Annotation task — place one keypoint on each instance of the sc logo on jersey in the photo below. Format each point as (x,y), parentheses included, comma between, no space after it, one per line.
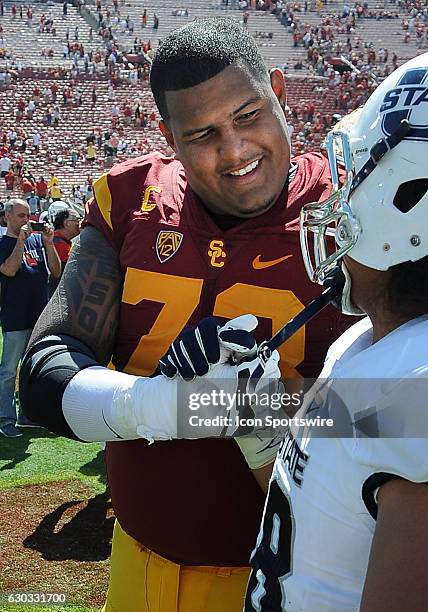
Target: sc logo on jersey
(407,101)
(216,253)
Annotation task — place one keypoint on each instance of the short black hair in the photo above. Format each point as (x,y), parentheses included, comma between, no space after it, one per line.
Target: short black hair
(60,217)
(406,291)
(199,51)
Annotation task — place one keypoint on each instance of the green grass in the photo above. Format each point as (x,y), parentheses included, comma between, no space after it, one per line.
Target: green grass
(39,457)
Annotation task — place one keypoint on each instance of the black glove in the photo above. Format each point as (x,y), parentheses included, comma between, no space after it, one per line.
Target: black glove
(209,343)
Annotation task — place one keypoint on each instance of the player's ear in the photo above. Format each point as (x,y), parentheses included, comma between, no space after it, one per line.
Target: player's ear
(167,134)
(277,81)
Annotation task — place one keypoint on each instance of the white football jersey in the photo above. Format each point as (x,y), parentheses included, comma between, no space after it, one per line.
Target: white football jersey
(327,480)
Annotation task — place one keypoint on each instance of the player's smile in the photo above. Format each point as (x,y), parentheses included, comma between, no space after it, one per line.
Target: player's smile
(246,174)
(234,147)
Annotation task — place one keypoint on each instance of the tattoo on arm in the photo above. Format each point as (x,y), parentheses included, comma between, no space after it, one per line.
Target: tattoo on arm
(87,300)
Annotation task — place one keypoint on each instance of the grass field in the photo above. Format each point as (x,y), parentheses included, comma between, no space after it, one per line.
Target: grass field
(55,521)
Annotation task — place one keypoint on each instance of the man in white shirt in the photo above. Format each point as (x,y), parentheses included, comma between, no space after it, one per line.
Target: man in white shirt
(4,165)
(12,136)
(36,140)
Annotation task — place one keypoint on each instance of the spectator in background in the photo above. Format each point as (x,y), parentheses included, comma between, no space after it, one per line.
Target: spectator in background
(18,166)
(114,141)
(53,180)
(26,260)
(10,180)
(78,196)
(41,188)
(36,94)
(55,192)
(49,215)
(66,227)
(91,152)
(153,121)
(90,138)
(5,165)
(109,155)
(3,222)
(12,137)
(74,154)
(34,203)
(36,141)
(56,115)
(30,108)
(27,183)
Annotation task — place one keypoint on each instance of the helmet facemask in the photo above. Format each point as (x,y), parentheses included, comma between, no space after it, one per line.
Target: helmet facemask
(331,218)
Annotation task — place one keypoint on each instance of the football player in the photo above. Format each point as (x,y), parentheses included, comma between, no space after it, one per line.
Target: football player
(359,532)
(167,241)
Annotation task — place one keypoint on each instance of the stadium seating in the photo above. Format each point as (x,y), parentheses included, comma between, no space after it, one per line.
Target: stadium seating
(37,58)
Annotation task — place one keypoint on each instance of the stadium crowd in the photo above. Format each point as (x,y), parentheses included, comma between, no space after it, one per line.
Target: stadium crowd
(90,66)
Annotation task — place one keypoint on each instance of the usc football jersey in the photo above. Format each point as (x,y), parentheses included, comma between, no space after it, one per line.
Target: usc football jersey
(329,485)
(195,501)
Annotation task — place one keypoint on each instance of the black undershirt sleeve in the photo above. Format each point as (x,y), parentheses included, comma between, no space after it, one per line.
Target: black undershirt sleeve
(47,368)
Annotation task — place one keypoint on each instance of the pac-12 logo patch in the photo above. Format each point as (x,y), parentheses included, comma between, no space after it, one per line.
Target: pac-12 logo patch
(407,101)
(167,244)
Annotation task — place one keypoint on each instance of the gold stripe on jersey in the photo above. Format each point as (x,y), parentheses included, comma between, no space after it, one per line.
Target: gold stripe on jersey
(103,197)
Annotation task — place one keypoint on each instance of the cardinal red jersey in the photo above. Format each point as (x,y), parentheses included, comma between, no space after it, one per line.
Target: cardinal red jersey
(195,501)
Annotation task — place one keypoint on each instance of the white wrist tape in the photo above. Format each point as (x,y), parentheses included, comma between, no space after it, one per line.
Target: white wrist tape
(102,405)
(258,452)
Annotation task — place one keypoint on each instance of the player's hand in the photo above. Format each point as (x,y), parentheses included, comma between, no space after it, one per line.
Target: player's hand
(207,344)
(256,382)
(48,234)
(251,384)
(255,377)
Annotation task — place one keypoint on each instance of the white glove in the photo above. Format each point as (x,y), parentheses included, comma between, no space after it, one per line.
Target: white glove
(259,445)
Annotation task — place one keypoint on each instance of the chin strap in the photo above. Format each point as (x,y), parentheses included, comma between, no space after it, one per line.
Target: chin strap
(345,303)
(333,286)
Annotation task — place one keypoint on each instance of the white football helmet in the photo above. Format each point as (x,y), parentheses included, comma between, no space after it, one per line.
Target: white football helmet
(380,213)
(55,208)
